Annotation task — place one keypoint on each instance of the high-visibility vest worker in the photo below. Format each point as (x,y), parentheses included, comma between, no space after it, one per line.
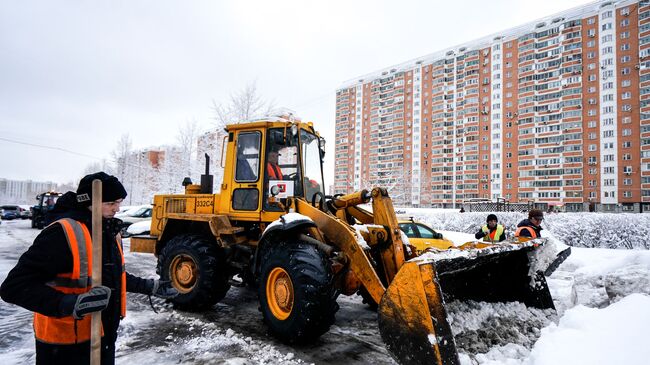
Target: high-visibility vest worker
(493,236)
(491,231)
(68,330)
(530,228)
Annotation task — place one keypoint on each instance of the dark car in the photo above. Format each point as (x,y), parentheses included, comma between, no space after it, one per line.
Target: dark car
(10,212)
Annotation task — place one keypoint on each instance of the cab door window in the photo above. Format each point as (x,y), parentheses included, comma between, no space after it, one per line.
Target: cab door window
(246,196)
(248,157)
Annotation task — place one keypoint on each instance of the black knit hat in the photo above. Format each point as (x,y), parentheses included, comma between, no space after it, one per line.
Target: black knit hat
(491,217)
(112,188)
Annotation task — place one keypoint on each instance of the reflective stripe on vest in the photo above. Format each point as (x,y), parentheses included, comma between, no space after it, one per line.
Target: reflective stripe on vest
(273,171)
(494,235)
(533,233)
(67,330)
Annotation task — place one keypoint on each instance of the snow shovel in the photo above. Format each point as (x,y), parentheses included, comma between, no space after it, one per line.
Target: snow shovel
(96,317)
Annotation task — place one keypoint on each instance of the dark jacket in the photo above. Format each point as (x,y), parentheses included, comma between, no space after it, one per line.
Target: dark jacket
(50,255)
(528,223)
(480,234)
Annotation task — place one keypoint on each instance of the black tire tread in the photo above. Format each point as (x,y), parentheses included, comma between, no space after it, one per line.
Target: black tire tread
(315,296)
(212,284)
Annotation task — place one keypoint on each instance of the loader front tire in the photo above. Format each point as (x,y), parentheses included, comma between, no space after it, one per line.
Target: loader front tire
(297,296)
(196,268)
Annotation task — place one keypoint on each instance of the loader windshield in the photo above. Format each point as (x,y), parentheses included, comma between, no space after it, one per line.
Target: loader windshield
(312,164)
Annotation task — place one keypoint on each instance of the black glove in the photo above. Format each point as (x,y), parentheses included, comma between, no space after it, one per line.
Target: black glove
(164,289)
(93,301)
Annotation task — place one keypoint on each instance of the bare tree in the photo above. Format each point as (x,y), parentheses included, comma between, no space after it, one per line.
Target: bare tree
(243,105)
(121,156)
(187,141)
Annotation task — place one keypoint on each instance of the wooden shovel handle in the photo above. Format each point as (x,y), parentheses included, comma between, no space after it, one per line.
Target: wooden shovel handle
(96,317)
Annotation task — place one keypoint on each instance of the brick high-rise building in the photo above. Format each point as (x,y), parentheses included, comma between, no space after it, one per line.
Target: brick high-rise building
(556,111)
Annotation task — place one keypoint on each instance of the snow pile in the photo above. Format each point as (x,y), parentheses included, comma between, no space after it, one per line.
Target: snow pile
(593,336)
(599,277)
(605,230)
(192,341)
(479,326)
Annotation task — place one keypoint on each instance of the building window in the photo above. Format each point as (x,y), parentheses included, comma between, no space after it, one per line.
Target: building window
(625,71)
(626,83)
(625,47)
(625,59)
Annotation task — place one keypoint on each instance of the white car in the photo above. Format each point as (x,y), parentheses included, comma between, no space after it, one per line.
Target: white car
(134,215)
(142,227)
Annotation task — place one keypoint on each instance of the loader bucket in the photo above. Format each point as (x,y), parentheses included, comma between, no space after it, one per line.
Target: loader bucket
(501,276)
(412,318)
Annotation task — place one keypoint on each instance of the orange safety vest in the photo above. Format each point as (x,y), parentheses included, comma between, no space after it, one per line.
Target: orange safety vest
(67,330)
(273,171)
(533,233)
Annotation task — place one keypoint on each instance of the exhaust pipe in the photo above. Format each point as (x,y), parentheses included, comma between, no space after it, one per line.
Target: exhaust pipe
(207,179)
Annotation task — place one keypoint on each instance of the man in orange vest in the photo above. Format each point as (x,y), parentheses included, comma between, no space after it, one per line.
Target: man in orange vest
(492,231)
(531,227)
(273,170)
(53,278)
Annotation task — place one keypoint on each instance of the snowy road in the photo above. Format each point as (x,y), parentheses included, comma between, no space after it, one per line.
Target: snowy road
(233,333)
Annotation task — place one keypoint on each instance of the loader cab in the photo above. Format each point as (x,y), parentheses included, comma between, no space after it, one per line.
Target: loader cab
(264,155)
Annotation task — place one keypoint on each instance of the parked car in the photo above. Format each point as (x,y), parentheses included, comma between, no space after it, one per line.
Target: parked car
(142,227)
(134,215)
(422,236)
(25,212)
(10,212)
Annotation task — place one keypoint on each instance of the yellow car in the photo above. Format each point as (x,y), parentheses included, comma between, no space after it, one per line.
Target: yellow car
(423,237)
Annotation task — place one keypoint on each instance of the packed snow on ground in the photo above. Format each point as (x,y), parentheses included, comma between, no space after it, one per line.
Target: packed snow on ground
(602,298)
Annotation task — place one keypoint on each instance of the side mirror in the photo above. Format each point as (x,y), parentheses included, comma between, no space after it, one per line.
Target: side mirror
(275,190)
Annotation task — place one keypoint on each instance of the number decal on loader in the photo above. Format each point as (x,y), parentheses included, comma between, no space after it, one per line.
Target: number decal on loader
(204,203)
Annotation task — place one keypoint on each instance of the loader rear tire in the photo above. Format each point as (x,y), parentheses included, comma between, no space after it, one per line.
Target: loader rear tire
(197,269)
(296,292)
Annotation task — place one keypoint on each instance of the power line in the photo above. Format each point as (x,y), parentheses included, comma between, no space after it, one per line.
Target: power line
(50,148)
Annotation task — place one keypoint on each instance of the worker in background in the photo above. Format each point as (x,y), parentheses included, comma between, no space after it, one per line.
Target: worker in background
(53,277)
(273,170)
(492,231)
(531,227)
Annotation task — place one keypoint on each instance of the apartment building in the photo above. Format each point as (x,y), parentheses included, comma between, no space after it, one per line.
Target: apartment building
(25,191)
(556,111)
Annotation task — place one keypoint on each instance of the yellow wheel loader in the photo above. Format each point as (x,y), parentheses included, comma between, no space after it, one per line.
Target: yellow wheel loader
(271,226)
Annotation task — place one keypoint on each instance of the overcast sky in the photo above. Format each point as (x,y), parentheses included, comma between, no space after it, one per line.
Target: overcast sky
(76,75)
